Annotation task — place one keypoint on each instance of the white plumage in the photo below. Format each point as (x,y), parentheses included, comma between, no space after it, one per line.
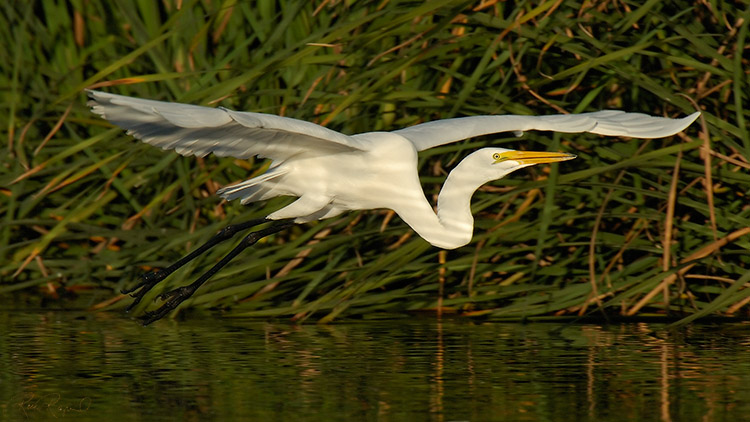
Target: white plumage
(331,172)
(606,122)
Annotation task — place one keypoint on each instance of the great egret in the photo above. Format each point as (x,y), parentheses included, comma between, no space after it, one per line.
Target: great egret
(331,172)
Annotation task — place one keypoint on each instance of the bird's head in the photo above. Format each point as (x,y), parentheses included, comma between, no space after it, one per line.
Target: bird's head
(495,163)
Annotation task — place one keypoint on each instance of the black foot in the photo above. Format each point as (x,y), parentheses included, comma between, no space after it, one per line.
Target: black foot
(175,297)
(147,282)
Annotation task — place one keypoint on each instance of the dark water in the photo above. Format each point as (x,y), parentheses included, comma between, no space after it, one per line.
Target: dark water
(77,366)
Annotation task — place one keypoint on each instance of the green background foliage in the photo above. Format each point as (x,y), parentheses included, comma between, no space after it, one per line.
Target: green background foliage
(632,227)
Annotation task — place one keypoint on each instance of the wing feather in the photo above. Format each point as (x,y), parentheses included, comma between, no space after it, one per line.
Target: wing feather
(606,122)
(196,130)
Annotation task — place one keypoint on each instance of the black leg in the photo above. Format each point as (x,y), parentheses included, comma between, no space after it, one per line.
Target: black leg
(149,280)
(175,297)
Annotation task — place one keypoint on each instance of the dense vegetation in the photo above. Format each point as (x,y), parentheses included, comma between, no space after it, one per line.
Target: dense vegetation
(630,228)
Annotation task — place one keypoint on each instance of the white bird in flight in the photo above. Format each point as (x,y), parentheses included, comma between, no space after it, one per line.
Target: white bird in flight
(331,173)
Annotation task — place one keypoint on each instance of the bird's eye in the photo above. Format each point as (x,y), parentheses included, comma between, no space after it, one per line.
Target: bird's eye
(495,156)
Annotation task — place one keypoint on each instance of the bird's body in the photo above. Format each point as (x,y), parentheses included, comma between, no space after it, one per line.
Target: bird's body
(332,184)
(331,173)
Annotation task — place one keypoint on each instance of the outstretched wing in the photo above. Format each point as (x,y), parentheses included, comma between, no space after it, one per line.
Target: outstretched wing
(606,122)
(195,130)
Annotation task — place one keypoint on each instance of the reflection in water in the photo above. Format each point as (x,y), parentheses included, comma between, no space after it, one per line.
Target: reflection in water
(90,367)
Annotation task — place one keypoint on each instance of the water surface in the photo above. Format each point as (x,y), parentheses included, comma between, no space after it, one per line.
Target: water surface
(83,366)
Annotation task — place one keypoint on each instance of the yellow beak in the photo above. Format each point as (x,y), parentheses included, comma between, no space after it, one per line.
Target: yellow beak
(533,157)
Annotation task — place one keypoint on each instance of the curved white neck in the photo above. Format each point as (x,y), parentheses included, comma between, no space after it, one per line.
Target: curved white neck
(453,225)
